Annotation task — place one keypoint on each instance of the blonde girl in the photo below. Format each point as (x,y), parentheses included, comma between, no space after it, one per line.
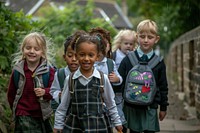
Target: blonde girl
(28,93)
(123,42)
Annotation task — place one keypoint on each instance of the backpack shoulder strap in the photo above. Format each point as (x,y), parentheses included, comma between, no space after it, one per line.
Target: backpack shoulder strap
(16,78)
(110,65)
(45,78)
(71,83)
(132,57)
(101,82)
(61,76)
(101,85)
(114,55)
(154,61)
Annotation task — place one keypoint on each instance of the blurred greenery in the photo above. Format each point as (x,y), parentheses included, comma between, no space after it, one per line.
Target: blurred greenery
(61,22)
(174,17)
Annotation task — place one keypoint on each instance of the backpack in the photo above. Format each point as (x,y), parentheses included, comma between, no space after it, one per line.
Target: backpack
(61,77)
(45,78)
(140,85)
(110,65)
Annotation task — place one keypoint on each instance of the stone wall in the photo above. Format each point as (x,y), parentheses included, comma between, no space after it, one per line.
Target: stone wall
(183,67)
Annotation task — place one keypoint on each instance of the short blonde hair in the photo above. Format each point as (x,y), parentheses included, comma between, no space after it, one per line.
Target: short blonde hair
(119,37)
(147,26)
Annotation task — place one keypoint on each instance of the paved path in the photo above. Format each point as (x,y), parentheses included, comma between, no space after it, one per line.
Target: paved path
(180,117)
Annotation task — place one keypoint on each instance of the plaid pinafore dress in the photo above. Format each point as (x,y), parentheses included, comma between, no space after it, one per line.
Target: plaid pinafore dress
(86,113)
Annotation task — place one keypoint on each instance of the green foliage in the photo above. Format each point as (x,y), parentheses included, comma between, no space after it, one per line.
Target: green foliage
(13,26)
(174,17)
(62,22)
(5,111)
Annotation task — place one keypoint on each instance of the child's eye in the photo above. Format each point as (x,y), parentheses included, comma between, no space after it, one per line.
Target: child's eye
(69,55)
(37,49)
(28,47)
(126,43)
(91,55)
(81,55)
(150,37)
(142,36)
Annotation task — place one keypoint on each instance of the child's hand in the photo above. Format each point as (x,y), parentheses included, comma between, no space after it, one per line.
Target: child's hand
(113,78)
(119,128)
(162,115)
(60,93)
(57,130)
(39,92)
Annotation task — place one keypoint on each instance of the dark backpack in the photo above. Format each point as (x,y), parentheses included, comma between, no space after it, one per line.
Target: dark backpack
(110,65)
(140,86)
(61,77)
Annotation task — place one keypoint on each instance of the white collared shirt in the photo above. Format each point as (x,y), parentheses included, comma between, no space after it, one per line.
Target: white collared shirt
(119,57)
(108,97)
(140,53)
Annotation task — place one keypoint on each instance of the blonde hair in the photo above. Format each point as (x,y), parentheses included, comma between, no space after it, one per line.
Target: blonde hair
(120,36)
(148,26)
(42,42)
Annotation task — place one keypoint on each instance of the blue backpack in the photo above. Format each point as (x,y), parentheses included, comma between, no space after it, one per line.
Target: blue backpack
(140,86)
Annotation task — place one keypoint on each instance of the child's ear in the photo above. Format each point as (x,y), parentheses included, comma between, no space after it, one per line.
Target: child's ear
(157,39)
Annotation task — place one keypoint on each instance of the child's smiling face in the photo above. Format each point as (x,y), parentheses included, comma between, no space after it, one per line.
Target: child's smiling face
(33,52)
(87,54)
(70,59)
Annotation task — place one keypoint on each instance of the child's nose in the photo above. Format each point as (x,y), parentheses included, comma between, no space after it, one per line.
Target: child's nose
(146,39)
(74,58)
(32,50)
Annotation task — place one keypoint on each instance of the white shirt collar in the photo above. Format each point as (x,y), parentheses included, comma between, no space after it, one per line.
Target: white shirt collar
(140,53)
(78,74)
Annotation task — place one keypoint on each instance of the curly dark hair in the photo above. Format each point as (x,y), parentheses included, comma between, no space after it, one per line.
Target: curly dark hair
(106,36)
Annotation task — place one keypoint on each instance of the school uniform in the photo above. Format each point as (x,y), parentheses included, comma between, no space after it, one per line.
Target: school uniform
(29,113)
(102,66)
(55,87)
(86,114)
(140,118)
(119,56)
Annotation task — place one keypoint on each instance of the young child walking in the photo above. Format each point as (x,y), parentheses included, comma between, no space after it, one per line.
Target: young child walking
(87,94)
(123,42)
(108,67)
(59,77)
(142,118)
(29,86)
